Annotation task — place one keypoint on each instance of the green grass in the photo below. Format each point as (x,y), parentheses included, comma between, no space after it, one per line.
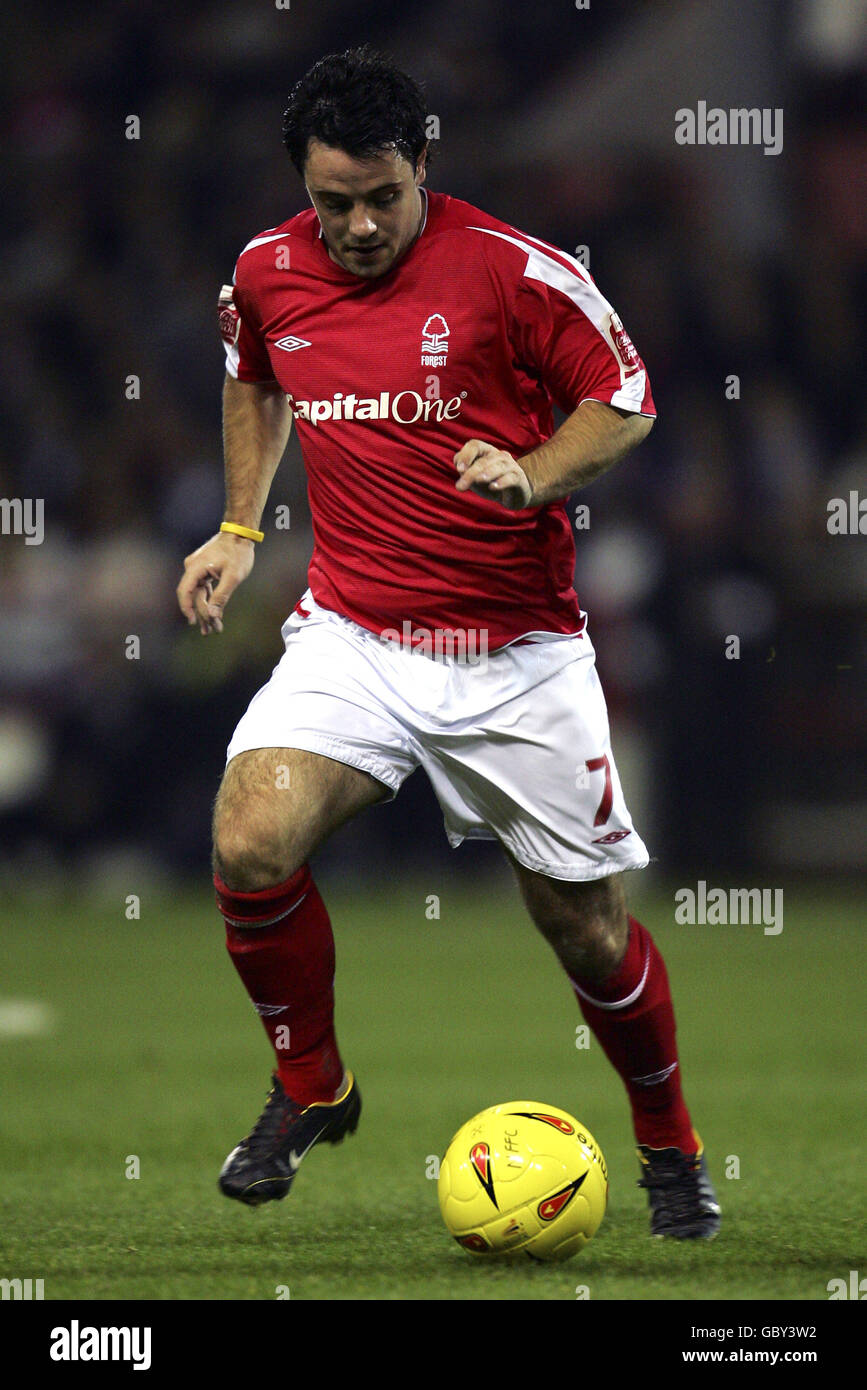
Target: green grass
(156,1053)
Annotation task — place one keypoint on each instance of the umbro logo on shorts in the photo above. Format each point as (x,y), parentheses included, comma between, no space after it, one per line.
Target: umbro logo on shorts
(291,344)
(612,837)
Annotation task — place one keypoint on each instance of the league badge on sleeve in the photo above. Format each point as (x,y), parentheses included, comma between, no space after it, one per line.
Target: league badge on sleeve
(623,343)
(230,319)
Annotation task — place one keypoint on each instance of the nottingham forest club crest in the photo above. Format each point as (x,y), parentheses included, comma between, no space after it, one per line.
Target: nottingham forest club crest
(434,342)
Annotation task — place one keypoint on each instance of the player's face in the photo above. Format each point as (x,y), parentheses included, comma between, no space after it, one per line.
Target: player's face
(370,209)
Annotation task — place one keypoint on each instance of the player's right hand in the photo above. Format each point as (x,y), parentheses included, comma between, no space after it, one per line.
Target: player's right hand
(211,575)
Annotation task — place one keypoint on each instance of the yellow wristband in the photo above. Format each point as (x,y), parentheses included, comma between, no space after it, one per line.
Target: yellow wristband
(246,531)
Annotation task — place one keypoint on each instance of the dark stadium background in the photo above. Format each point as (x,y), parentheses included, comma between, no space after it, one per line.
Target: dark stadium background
(721,261)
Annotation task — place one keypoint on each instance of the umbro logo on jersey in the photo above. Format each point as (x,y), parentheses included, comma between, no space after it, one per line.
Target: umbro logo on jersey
(434,342)
(291,344)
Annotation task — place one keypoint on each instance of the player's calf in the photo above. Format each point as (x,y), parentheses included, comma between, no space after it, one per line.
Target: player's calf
(621,984)
(274,807)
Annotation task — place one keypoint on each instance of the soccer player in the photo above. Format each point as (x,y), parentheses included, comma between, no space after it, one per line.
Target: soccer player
(420,345)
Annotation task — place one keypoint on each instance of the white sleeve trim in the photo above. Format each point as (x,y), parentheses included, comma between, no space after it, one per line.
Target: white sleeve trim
(628,399)
(261,241)
(622,402)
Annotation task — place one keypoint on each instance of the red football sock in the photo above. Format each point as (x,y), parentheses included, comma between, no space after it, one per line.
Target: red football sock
(632,1016)
(281,943)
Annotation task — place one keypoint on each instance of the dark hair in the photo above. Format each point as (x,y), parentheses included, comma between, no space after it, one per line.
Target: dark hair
(359,102)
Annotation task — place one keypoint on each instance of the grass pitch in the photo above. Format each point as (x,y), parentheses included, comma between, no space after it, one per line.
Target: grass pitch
(155,1055)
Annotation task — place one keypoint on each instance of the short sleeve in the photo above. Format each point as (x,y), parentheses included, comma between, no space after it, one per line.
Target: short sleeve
(568,335)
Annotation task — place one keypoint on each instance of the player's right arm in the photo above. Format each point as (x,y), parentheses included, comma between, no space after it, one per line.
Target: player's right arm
(257,420)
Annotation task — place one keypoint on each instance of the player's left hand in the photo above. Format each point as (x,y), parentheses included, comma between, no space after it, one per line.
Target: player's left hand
(492,473)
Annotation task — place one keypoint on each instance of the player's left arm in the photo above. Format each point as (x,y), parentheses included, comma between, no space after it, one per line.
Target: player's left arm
(590,441)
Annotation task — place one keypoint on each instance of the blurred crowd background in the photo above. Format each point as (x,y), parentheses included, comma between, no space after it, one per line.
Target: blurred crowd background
(723,262)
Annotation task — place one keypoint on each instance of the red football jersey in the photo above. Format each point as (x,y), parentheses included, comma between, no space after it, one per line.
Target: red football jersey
(473,333)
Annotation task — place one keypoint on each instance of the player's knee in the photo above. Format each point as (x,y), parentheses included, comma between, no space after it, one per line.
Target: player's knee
(593,950)
(602,923)
(585,922)
(250,851)
(248,868)
(602,947)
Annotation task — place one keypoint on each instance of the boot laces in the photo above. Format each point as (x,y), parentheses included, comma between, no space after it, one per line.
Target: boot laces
(273,1123)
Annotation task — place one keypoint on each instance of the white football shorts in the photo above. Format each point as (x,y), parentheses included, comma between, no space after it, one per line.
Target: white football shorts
(516,746)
